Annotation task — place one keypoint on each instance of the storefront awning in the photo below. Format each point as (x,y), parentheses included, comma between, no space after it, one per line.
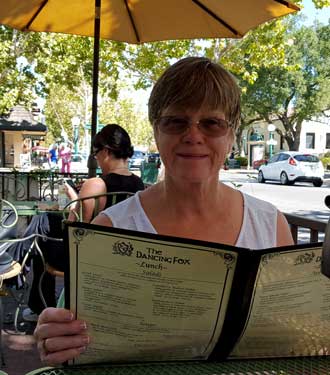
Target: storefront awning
(23,125)
(20,119)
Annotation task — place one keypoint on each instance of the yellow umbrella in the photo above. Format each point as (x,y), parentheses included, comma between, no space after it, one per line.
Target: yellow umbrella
(138,21)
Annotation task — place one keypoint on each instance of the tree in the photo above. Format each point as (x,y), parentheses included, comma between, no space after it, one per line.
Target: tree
(17,79)
(297,91)
(124,113)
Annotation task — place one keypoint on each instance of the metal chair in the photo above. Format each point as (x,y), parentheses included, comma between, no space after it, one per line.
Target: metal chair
(116,197)
(8,229)
(79,216)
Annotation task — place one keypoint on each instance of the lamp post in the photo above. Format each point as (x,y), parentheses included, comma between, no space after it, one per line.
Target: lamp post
(75,121)
(248,143)
(271,141)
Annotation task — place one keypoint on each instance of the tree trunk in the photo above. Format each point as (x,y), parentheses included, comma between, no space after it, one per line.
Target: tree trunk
(292,130)
(239,140)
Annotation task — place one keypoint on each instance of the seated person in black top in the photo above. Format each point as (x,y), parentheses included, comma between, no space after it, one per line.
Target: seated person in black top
(111,148)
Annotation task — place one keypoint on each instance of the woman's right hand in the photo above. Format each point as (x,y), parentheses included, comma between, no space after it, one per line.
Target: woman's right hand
(59,337)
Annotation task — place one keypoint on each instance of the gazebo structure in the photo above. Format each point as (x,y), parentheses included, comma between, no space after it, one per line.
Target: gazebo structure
(18,134)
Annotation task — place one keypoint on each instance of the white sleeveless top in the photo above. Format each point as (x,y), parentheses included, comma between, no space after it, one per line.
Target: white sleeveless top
(258,229)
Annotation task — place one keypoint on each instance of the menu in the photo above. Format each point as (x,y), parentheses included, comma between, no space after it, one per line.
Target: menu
(158,298)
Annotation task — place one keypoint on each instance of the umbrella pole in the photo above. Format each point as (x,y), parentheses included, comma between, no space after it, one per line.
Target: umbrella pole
(92,165)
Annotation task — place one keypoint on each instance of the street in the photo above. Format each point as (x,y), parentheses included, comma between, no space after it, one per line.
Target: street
(301,199)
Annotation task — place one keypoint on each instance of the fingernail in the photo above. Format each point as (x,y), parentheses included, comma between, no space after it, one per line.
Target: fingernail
(83,325)
(81,349)
(69,316)
(86,340)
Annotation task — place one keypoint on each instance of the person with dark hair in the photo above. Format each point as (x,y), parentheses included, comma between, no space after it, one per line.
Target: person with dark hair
(111,148)
(194,109)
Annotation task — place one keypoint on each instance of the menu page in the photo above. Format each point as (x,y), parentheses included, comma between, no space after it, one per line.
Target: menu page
(290,310)
(147,300)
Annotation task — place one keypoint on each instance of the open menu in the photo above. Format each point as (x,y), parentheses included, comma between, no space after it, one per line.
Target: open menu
(148,297)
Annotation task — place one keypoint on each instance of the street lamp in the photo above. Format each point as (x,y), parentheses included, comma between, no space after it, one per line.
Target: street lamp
(75,121)
(271,141)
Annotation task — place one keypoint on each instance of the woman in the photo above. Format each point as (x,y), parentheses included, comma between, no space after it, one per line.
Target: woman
(65,155)
(194,109)
(112,148)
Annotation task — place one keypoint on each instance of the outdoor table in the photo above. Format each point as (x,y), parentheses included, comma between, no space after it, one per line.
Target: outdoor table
(288,366)
(31,208)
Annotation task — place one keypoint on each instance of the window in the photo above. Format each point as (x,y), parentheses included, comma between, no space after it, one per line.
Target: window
(310,140)
(283,157)
(274,158)
(307,158)
(327,142)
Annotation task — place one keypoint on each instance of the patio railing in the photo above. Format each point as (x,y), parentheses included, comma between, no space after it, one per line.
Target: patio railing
(34,185)
(315,227)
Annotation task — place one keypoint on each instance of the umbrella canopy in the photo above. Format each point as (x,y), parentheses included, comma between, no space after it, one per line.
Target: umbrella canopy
(138,21)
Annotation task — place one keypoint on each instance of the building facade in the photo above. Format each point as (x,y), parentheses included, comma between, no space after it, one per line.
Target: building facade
(19,133)
(260,143)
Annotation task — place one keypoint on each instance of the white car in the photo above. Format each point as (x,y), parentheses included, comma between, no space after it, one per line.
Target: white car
(78,164)
(136,160)
(289,167)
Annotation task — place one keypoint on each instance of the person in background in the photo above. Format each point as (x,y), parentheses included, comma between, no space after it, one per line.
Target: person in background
(52,156)
(65,155)
(111,148)
(194,109)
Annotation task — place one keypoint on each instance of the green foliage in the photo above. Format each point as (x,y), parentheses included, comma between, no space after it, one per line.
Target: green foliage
(242,160)
(17,80)
(124,113)
(297,91)
(319,4)
(326,162)
(59,68)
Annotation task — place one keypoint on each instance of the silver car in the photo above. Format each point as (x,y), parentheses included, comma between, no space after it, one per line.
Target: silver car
(289,167)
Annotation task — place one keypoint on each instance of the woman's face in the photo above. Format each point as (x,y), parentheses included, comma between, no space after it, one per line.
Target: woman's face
(194,155)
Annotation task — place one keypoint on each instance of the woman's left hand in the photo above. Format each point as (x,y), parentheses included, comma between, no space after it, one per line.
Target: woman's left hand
(59,337)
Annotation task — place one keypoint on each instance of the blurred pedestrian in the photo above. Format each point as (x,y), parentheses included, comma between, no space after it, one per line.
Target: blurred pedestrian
(65,155)
(52,156)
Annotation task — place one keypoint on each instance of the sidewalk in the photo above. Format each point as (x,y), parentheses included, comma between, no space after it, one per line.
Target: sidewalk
(20,352)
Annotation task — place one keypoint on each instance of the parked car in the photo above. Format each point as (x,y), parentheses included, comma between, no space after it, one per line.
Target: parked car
(289,167)
(136,160)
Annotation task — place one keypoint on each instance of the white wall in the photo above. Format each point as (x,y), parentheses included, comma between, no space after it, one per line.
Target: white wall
(320,128)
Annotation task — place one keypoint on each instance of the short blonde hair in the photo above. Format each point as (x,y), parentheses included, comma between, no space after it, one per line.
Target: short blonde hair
(192,82)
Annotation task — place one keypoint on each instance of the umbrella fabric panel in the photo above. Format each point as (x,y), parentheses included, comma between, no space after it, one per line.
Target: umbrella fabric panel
(137,21)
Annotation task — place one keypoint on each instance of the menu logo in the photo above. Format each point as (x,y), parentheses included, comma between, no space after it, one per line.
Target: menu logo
(122,248)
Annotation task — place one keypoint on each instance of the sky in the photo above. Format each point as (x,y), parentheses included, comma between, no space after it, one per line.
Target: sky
(312,14)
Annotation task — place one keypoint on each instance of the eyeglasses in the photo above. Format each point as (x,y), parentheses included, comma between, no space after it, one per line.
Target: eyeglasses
(211,127)
(95,152)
